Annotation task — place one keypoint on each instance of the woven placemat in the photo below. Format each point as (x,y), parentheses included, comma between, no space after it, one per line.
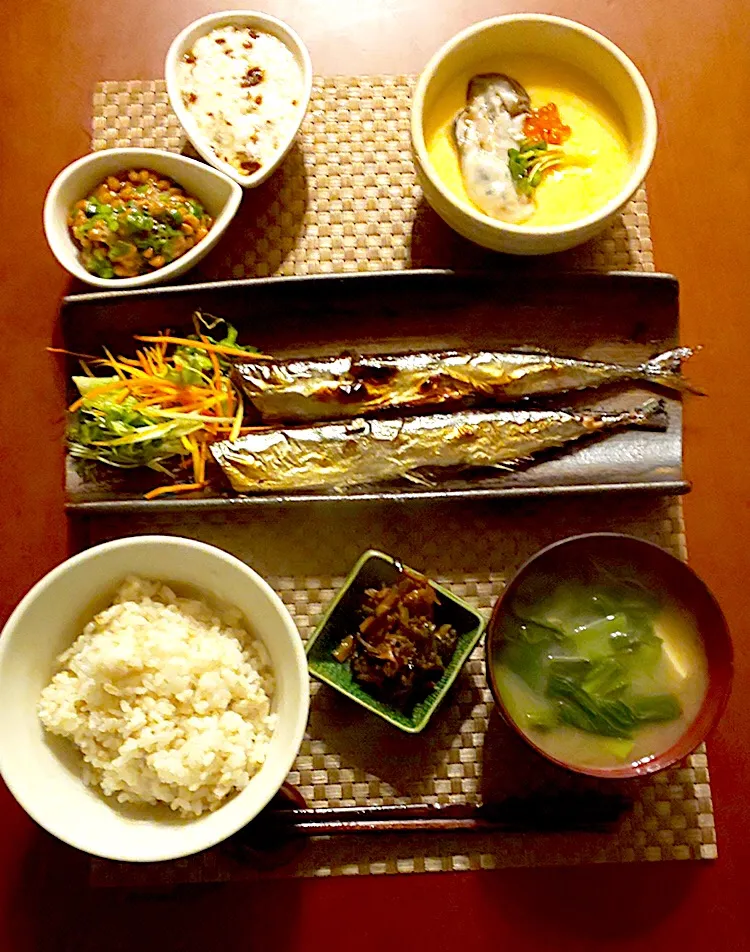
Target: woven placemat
(346,199)
(350,758)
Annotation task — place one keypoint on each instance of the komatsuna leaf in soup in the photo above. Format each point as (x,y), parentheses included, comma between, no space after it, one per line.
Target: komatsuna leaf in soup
(584,669)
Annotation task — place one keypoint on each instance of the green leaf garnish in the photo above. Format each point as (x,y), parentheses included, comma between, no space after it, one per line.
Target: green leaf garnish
(111,430)
(582,649)
(531,160)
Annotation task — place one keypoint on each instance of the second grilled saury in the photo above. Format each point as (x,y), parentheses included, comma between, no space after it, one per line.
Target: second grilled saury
(330,388)
(336,456)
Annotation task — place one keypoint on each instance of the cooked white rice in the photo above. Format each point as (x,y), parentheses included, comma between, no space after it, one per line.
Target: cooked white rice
(243,89)
(168,700)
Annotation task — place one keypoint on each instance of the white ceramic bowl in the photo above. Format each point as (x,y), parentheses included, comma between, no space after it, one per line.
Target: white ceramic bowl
(219,195)
(43,772)
(251,19)
(572,44)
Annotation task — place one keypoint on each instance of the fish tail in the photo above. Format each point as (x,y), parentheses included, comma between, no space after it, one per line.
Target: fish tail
(651,415)
(666,369)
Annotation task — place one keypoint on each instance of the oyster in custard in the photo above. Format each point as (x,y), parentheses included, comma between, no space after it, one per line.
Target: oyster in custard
(486,130)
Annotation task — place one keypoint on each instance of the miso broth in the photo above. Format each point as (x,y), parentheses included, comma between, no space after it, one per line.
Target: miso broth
(600,673)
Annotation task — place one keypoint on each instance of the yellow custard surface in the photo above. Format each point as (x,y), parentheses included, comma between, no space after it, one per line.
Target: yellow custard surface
(597,132)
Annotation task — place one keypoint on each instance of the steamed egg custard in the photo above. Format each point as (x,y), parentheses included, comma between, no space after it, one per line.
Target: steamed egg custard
(528,140)
(600,673)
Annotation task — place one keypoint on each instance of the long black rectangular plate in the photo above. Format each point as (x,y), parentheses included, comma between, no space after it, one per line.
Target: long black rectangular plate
(623,316)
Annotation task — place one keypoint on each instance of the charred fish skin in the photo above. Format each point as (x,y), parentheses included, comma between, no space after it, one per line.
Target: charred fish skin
(348,386)
(488,126)
(339,456)
(287,390)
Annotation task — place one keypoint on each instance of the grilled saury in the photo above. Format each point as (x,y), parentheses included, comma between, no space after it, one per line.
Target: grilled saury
(331,388)
(336,456)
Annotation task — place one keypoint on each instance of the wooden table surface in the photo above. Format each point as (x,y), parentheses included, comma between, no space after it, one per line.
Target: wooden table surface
(693,55)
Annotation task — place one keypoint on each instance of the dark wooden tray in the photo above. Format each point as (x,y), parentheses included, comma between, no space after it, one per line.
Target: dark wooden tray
(624,316)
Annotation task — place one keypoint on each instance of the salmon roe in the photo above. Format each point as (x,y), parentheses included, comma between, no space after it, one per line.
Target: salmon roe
(545,124)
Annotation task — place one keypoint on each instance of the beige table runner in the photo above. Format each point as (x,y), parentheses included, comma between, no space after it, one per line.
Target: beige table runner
(346,199)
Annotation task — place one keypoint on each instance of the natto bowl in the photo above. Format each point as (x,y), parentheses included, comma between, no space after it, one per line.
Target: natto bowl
(218,194)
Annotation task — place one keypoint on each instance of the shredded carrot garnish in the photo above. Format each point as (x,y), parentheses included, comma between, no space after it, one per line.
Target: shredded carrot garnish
(175,488)
(200,345)
(197,413)
(119,368)
(115,365)
(96,392)
(215,364)
(70,353)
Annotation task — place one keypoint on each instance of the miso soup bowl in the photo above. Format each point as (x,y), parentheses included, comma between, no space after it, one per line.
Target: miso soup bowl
(665,575)
(571,44)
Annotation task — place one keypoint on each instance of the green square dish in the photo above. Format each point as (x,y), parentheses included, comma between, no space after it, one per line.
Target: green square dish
(373,570)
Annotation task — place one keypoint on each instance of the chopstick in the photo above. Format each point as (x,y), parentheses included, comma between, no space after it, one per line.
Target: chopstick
(589,811)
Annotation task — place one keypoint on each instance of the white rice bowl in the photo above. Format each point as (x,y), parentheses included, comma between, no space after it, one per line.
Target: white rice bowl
(44,772)
(168,700)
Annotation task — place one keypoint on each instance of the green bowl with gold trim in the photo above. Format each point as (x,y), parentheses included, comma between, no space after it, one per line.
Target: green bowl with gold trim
(343,616)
